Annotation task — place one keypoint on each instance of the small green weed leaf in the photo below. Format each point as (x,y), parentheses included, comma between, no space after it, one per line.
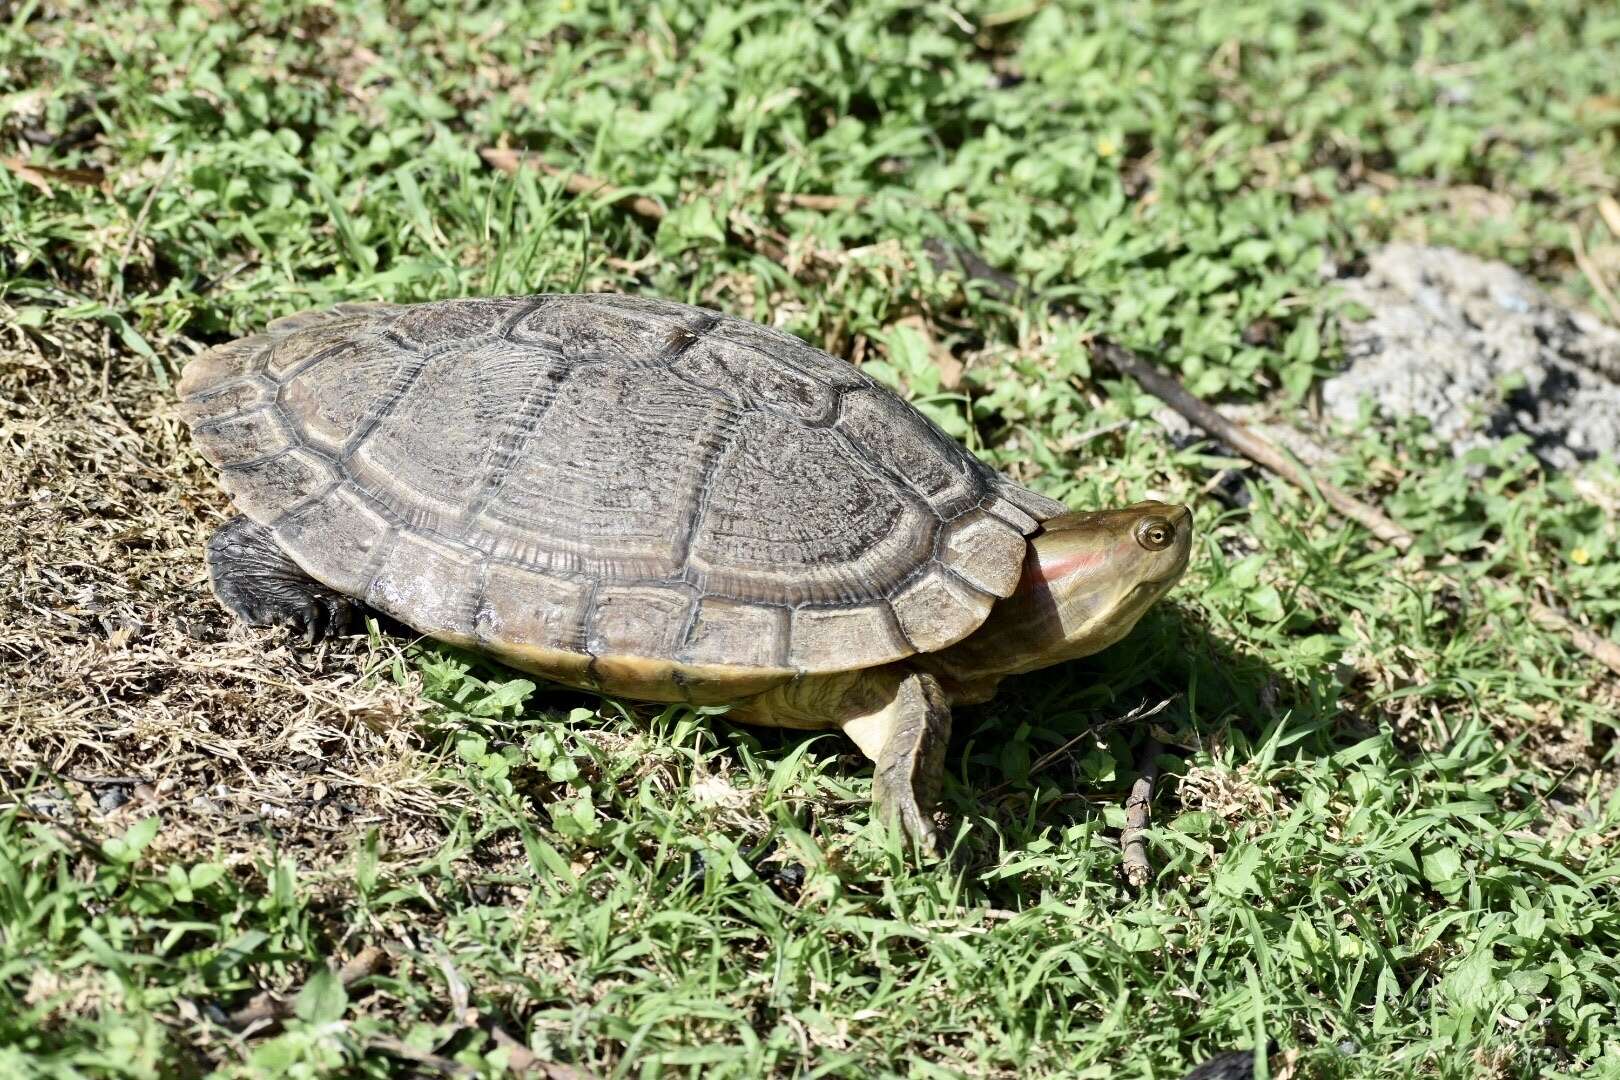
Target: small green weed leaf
(1265,603)
(1442,868)
(507,697)
(1471,983)
(202,875)
(1235,876)
(323,1000)
(1530,923)
(690,225)
(128,847)
(1529,983)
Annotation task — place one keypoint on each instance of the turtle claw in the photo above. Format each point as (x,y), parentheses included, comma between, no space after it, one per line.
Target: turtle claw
(260,585)
(319,617)
(902,809)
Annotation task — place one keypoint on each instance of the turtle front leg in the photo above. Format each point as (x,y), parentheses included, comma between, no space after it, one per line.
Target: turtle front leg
(256,581)
(905,737)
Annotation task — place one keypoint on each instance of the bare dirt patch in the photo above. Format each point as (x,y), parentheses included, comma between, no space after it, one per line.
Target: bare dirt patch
(124,689)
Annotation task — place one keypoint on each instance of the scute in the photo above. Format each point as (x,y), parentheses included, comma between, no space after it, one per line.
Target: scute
(617,492)
(265,489)
(933,608)
(430,585)
(340,391)
(601,485)
(794,515)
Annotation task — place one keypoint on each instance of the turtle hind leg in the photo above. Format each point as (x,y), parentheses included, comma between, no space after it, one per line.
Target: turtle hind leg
(906,739)
(256,581)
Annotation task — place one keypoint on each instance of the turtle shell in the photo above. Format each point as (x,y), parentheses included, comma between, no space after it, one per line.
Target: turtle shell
(611,490)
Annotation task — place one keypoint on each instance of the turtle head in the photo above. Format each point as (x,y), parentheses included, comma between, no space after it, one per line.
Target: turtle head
(1088,577)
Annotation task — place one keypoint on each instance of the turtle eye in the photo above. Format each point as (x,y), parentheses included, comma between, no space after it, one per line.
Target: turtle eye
(1155,534)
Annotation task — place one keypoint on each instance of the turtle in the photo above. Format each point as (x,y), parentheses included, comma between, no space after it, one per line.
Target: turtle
(658,502)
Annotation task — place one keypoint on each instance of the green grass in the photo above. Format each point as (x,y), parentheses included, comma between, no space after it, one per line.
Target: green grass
(1391,841)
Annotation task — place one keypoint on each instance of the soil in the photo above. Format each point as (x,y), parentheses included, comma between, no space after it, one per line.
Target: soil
(1479,350)
(124,689)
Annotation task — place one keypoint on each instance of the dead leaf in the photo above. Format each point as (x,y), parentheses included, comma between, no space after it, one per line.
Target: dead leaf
(40,175)
(1599,106)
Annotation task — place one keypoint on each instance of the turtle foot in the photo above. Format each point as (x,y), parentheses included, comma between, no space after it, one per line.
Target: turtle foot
(911,766)
(256,581)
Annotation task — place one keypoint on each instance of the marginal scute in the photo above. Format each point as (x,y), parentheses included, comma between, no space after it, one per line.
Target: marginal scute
(339,538)
(986,552)
(289,352)
(650,679)
(638,620)
(525,607)
(1033,503)
(269,487)
(1008,512)
(736,632)
(245,436)
(222,363)
(431,586)
(227,400)
(372,311)
(939,609)
(845,638)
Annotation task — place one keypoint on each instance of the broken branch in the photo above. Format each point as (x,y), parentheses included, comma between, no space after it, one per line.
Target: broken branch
(1261,451)
(1138,813)
(266,1008)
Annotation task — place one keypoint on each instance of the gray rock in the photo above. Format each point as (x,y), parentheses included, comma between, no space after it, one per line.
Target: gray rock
(1480,351)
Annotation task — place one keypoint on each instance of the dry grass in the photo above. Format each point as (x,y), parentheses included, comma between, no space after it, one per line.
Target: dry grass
(123,682)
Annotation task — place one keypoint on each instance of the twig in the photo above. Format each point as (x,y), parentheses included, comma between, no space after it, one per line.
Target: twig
(1138,811)
(399,1048)
(1261,451)
(140,221)
(812,201)
(511,162)
(1098,432)
(521,1059)
(39,176)
(1141,712)
(1246,442)
(518,1055)
(1609,211)
(1577,246)
(266,1008)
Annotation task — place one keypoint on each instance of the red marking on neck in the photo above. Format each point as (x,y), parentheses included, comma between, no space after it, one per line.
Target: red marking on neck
(1071,563)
